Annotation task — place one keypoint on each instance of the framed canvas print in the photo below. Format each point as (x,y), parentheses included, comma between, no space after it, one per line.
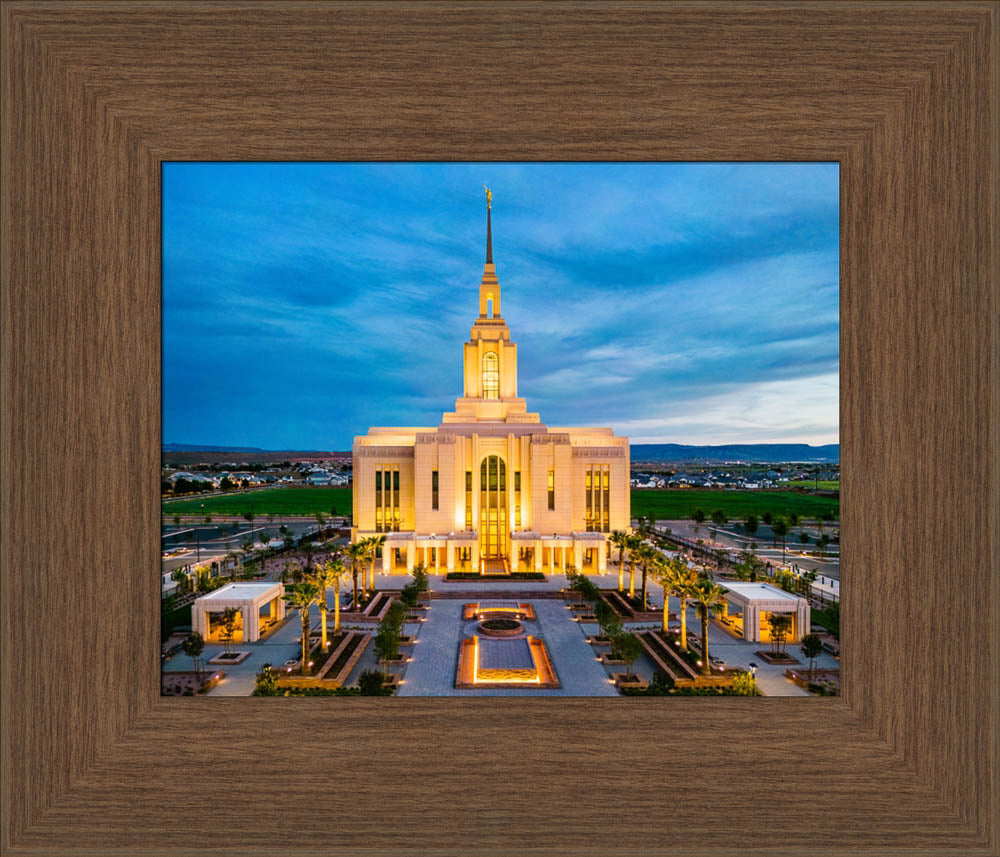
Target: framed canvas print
(484,551)
(343,346)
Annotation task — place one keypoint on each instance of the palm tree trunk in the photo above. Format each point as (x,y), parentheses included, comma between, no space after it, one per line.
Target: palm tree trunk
(305,640)
(322,615)
(354,588)
(631,578)
(684,622)
(621,572)
(645,571)
(336,609)
(666,609)
(706,667)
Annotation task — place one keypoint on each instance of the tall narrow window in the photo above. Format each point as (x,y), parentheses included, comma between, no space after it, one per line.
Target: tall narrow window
(606,476)
(552,490)
(468,500)
(491,376)
(517,499)
(434,489)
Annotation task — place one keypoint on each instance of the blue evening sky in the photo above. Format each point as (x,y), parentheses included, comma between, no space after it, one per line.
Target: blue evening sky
(677,303)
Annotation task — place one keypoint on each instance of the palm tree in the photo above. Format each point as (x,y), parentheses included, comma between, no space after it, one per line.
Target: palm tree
(324,576)
(646,554)
(356,552)
(708,598)
(632,543)
(618,540)
(336,566)
(663,573)
(303,596)
(685,579)
(375,546)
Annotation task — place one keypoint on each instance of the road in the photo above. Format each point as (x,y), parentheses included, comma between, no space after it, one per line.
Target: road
(732,537)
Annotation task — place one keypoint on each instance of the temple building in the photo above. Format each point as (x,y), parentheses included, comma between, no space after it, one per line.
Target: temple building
(491,489)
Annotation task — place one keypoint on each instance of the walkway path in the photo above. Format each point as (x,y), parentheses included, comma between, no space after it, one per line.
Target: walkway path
(435,655)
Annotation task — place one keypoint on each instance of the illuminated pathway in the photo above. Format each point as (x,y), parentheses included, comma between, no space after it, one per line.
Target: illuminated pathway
(435,655)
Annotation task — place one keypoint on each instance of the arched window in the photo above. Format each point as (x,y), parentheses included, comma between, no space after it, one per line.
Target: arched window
(491,376)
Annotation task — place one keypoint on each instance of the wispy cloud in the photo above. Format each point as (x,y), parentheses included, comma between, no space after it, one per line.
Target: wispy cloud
(675,302)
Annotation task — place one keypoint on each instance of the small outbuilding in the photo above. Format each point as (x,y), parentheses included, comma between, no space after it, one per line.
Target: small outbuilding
(251,599)
(749,606)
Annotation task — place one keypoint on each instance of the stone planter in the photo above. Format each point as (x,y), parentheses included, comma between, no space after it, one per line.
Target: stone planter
(635,683)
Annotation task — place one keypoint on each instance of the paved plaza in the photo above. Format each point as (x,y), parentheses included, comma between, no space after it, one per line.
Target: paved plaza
(433,657)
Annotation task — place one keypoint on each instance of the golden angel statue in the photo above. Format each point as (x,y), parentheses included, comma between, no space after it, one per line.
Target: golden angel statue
(489,197)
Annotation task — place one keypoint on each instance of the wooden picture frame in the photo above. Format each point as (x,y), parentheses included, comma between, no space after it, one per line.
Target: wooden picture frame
(96,95)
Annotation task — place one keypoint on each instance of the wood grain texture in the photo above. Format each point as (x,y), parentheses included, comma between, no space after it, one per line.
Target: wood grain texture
(95,96)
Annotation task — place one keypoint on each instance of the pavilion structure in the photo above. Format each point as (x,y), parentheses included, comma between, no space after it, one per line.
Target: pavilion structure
(249,599)
(491,489)
(756,602)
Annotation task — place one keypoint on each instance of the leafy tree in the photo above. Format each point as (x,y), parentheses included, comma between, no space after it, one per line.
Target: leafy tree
(250,515)
(208,519)
(812,647)
(228,631)
(370,683)
(804,538)
(608,620)
(387,639)
(780,530)
(409,595)
(779,625)
(698,515)
(767,517)
(751,524)
(822,541)
(302,596)
(420,579)
(177,520)
(629,648)
(193,646)
(793,519)
(719,517)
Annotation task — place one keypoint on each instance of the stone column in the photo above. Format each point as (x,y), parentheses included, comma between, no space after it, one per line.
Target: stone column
(552,559)
(602,557)
(475,556)
(515,556)
(450,556)
(251,622)
(537,551)
(578,555)
(411,553)
(437,559)
(386,559)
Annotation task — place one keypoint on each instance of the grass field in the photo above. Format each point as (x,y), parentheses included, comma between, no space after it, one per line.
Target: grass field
(267,501)
(652,502)
(822,484)
(660,503)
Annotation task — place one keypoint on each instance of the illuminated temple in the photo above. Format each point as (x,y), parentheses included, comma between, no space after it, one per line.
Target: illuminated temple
(491,489)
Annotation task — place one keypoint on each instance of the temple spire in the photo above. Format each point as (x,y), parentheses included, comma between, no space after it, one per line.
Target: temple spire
(489,228)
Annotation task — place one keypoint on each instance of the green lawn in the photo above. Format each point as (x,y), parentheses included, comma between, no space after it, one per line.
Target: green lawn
(652,502)
(267,501)
(660,503)
(822,484)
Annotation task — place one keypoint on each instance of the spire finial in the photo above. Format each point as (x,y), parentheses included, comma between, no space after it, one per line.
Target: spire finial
(489,226)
